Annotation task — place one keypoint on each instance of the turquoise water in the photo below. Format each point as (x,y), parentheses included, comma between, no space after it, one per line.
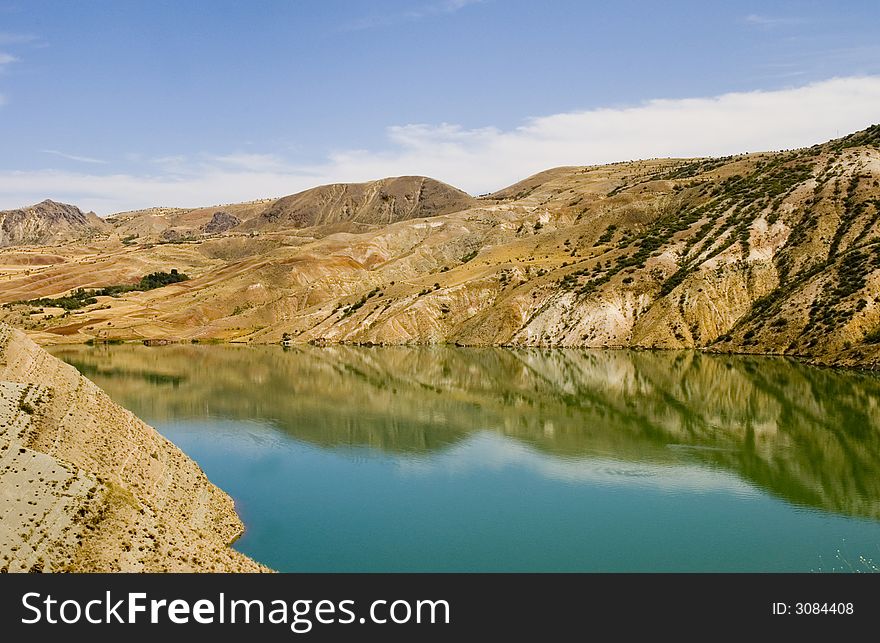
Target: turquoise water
(454,459)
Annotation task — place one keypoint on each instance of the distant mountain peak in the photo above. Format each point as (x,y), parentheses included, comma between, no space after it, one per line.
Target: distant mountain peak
(48,222)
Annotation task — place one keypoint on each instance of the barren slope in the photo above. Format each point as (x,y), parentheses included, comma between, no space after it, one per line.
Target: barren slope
(155,224)
(340,206)
(87,486)
(377,202)
(773,253)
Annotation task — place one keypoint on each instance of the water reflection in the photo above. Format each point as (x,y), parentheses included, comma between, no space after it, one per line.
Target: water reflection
(807,435)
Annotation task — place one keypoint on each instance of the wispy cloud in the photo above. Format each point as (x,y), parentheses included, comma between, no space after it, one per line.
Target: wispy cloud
(249,162)
(5,59)
(188,165)
(484,159)
(444,7)
(12,39)
(861,60)
(9,38)
(767,22)
(74,157)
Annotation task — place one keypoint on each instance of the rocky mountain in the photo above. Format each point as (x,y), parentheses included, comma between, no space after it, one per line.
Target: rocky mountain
(48,223)
(775,252)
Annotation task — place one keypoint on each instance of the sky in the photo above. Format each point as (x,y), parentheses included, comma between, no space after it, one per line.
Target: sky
(122,104)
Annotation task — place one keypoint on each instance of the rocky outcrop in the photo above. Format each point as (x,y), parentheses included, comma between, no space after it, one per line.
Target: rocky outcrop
(87,486)
(48,223)
(221,221)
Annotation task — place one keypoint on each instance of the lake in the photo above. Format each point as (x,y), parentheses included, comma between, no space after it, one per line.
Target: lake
(347,458)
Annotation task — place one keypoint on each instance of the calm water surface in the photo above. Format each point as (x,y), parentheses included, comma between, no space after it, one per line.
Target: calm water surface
(456,459)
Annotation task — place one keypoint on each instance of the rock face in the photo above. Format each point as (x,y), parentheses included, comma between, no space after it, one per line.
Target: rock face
(221,221)
(48,223)
(377,202)
(87,486)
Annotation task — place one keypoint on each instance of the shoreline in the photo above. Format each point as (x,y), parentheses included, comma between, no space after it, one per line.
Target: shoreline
(94,488)
(157,343)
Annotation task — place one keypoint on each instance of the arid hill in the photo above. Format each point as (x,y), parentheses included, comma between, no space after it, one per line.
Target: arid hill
(87,486)
(151,224)
(49,223)
(355,207)
(377,202)
(775,252)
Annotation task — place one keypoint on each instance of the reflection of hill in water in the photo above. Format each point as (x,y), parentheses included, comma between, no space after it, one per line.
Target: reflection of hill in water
(809,435)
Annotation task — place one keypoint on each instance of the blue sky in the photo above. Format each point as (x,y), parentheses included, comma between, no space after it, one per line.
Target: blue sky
(116,105)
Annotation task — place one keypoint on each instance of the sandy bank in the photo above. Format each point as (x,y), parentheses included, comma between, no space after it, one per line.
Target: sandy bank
(87,486)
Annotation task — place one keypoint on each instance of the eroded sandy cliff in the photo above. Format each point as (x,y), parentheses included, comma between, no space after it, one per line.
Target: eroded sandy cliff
(87,486)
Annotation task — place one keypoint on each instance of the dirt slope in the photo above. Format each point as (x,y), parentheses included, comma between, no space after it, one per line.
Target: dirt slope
(87,486)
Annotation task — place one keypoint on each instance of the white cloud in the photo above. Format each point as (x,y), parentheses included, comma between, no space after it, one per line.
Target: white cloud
(74,157)
(480,160)
(5,58)
(110,193)
(490,451)
(485,159)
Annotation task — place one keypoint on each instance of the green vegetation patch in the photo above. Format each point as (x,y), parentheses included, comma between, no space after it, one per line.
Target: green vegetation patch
(81,297)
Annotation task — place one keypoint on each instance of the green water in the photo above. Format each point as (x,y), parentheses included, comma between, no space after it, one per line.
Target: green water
(456,459)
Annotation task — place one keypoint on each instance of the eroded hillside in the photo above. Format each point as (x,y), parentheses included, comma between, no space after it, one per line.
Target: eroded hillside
(350,207)
(87,486)
(774,252)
